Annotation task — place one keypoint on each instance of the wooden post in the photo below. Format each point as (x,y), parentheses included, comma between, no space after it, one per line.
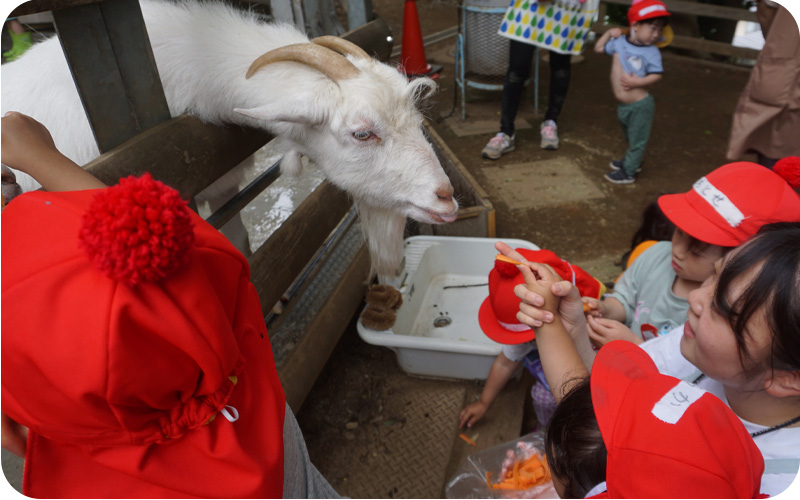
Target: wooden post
(113,67)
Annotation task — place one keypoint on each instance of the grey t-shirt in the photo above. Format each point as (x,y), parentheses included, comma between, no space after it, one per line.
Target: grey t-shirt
(645,290)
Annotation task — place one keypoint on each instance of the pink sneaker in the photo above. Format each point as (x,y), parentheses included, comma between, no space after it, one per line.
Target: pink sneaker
(497,146)
(549,132)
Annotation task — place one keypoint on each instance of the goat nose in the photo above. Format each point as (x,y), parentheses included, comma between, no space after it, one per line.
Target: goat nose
(445,194)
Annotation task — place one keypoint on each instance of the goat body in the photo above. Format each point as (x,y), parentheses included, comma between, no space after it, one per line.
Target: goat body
(363,131)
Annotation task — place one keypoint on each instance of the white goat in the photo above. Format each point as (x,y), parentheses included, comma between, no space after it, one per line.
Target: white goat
(355,117)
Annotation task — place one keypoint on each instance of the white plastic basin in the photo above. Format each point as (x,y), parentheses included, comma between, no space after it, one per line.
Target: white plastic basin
(437,332)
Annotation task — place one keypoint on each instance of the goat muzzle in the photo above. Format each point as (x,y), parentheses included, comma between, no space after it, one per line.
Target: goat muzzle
(326,61)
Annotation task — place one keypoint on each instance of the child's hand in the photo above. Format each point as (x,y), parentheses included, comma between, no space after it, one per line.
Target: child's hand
(539,279)
(595,306)
(615,32)
(630,81)
(471,414)
(604,330)
(23,140)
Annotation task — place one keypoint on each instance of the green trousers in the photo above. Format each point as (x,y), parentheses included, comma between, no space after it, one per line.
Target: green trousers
(636,119)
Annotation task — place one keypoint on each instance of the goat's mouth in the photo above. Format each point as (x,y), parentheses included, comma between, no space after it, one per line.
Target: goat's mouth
(430,217)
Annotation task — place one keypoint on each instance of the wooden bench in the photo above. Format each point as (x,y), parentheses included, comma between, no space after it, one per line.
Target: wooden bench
(694,9)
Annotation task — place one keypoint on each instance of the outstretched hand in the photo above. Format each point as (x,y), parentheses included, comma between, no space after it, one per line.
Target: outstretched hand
(28,146)
(24,141)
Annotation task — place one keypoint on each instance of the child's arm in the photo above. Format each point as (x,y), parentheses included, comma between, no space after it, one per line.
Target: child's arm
(501,372)
(570,308)
(600,44)
(631,81)
(561,362)
(28,146)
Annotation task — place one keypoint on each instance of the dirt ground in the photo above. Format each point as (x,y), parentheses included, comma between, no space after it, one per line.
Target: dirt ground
(351,403)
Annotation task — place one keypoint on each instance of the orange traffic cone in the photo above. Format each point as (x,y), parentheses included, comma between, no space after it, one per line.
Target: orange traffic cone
(412,54)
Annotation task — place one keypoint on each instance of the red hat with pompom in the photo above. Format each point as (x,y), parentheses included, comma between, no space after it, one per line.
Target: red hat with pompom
(129,324)
(730,204)
(498,312)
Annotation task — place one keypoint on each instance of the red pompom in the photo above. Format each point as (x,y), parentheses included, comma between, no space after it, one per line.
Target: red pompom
(506,269)
(138,230)
(789,169)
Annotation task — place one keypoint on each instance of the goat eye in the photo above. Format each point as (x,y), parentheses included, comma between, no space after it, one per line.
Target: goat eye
(363,135)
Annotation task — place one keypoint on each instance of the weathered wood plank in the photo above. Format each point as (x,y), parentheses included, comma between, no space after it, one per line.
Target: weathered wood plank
(182,152)
(701,9)
(374,38)
(113,68)
(301,369)
(359,12)
(714,47)
(296,241)
(701,45)
(137,65)
(36,6)
(83,36)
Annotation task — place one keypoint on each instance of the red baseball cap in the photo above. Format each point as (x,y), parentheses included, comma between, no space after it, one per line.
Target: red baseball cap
(730,204)
(646,9)
(667,438)
(498,312)
(129,324)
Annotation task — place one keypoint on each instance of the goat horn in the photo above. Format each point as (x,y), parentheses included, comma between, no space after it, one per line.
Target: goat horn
(320,58)
(341,46)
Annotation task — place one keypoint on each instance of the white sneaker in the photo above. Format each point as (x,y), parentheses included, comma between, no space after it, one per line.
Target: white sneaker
(498,146)
(549,132)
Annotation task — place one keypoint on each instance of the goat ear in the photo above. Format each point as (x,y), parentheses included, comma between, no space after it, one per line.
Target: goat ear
(273,113)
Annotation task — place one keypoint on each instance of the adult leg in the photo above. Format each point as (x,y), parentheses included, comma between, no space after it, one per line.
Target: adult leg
(560,73)
(520,59)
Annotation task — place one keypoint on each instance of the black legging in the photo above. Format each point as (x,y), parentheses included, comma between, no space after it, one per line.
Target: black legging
(519,69)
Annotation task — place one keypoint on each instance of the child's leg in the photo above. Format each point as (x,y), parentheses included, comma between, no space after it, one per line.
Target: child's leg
(623,115)
(639,124)
(519,68)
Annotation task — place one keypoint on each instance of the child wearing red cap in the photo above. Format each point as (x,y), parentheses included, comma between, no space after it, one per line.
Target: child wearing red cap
(497,319)
(134,351)
(721,211)
(741,341)
(630,432)
(636,65)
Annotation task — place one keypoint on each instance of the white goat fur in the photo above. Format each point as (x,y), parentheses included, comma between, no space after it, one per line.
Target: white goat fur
(203,51)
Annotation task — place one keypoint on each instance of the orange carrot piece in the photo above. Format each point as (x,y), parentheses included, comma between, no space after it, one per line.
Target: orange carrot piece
(503,258)
(467,439)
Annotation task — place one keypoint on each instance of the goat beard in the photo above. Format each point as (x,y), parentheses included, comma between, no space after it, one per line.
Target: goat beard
(383,229)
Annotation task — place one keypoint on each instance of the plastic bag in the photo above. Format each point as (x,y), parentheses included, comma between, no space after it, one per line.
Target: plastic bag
(469,480)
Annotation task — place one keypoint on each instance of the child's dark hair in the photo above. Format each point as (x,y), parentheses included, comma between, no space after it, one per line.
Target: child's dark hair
(655,226)
(663,20)
(776,288)
(696,246)
(573,444)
